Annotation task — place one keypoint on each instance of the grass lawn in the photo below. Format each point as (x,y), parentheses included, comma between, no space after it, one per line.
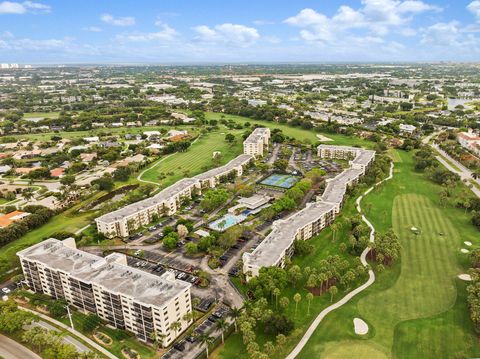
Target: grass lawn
(416,308)
(41,115)
(46,136)
(296,132)
(121,339)
(194,161)
(322,248)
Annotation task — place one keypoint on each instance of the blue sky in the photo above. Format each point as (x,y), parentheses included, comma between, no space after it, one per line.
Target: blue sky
(191,31)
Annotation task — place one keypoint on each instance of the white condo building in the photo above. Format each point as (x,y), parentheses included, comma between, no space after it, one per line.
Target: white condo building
(256,143)
(124,297)
(303,225)
(167,202)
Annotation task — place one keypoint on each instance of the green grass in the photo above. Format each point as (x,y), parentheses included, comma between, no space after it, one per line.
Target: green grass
(41,115)
(120,338)
(416,308)
(96,131)
(322,248)
(297,133)
(194,160)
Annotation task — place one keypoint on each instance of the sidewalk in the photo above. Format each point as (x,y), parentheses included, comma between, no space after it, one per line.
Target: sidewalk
(74,332)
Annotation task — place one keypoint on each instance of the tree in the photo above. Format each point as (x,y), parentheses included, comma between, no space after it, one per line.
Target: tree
(333,290)
(170,241)
(280,165)
(230,138)
(204,338)
(297,298)
(334,229)
(67,180)
(27,193)
(276,293)
(176,326)
(105,183)
(191,248)
(281,340)
(122,174)
(235,314)
(294,274)
(284,302)
(269,348)
(222,325)
(182,231)
(309,298)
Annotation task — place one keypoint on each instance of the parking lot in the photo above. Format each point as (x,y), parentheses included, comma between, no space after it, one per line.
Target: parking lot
(189,347)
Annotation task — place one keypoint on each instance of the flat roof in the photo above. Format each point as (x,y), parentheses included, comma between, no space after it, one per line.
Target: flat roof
(337,186)
(364,157)
(118,278)
(272,248)
(171,191)
(257,135)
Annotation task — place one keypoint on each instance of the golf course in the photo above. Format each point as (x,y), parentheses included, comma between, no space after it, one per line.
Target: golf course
(417,307)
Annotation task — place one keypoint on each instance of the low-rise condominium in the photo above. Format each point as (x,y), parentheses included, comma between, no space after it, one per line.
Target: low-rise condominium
(123,221)
(308,222)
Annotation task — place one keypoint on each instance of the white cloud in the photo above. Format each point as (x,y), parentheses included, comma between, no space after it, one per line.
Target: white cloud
(374,16)
(474,8)
(263,22)
(9,7)
(229,34)
(165,35)
(118,21)
(442,34)
(92,29)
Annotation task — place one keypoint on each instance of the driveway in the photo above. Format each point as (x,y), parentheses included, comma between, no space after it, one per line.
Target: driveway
(10,349)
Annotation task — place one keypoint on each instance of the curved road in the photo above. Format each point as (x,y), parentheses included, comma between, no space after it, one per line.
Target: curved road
(10,349)
(350,295)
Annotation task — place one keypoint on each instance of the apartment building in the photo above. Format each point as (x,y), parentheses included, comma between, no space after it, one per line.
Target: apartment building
(279,244)
(470,141)
(310,221)
(167,202)
(124,297)
(256,143)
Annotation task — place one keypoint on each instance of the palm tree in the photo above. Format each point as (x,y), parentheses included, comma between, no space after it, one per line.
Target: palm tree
(297,298)
(222,325)
(276,293)
(176,326)
(332,290)
(334,228)
(309,297)
(204,338)
(234,314)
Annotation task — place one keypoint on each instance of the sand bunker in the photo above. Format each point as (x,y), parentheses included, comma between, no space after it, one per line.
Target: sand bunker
(361,328)
(466,277)
(323,138)
(463,250)
(467,243)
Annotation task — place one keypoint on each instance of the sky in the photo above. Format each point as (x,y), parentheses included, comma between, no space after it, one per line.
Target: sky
(238,31)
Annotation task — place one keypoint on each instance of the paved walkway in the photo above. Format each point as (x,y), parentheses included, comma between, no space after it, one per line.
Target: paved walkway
(10,349)
(350,295)
(72,331)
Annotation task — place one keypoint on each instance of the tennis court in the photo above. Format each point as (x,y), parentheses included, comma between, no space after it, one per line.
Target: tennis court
(280,180)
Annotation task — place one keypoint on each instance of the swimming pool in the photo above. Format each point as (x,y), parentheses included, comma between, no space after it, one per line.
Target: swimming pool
(227,221)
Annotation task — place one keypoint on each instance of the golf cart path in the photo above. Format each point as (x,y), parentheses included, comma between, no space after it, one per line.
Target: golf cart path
(371,277)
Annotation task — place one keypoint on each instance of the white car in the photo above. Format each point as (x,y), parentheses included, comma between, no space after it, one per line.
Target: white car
(6,290)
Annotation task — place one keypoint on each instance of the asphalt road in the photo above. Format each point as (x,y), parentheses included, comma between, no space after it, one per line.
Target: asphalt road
(10,349)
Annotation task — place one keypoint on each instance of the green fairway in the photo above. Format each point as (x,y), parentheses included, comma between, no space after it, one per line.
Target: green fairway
(195,160)
(297,133)
(41,115)
(417,308)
